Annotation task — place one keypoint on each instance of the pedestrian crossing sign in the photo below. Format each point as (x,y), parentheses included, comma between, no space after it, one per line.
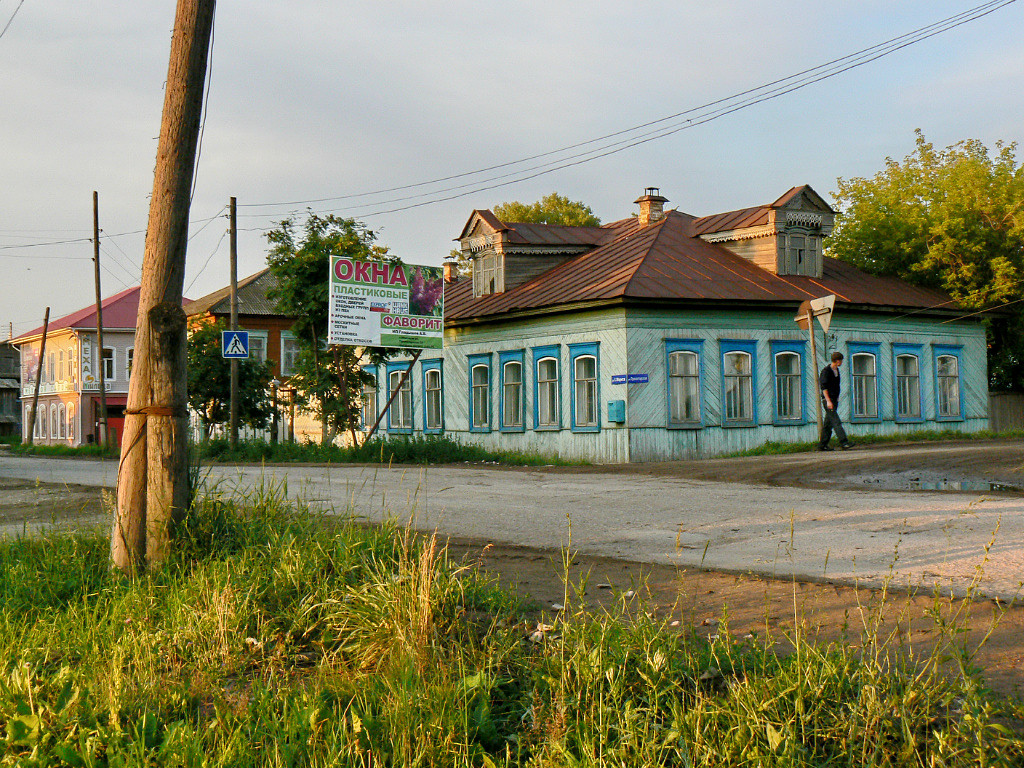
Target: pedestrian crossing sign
(234,345)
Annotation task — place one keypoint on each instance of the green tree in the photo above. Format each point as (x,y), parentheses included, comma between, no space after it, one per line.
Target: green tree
(209,382)
(550,209)
(951,219)
(329,381)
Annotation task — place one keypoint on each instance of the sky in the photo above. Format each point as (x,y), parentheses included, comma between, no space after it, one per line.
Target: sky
(315,105)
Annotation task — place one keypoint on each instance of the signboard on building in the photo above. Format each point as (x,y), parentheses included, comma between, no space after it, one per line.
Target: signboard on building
(630,378)
(385,304)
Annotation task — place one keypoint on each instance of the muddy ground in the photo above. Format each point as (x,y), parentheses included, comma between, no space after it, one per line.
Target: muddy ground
(752,605)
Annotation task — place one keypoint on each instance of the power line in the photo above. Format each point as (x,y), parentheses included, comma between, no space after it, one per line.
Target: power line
(207,262)
(8,24)
(701,114)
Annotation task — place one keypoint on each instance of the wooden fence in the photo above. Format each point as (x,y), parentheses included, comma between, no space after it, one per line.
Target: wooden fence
(1005,411)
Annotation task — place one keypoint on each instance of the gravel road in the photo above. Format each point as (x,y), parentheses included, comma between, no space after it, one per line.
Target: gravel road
(837,531)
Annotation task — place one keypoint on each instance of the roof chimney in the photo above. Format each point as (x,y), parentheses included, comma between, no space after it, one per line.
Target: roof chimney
(651,206)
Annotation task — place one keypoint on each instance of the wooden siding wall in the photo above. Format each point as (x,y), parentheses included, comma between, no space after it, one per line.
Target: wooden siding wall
(634,342)
(1006,411)
(647,407)
(521,268)
(608,445)
(763,251)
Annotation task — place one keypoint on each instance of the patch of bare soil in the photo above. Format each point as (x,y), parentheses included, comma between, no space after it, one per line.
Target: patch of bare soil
(751,605)
(25,506)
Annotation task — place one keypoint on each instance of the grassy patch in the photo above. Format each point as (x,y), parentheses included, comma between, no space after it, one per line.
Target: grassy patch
(272,639)
(94,451)
(428,449)
(772,448)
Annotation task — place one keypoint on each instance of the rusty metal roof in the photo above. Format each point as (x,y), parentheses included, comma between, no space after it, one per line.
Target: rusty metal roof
(252,298)
(668,261)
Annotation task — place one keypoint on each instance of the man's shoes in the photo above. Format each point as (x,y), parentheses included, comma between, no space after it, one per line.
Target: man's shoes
(846,446)
(824,448)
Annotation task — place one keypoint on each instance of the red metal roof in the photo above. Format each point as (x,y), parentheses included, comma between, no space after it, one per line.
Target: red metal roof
(668,261)
(119,311)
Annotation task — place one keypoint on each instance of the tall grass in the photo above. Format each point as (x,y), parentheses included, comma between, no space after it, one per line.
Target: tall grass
(276,639)
(399,449)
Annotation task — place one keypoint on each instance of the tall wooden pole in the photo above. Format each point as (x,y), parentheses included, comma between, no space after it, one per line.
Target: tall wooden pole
(233,239)
(814,366)
(155,412)
(104,437)
(39,378)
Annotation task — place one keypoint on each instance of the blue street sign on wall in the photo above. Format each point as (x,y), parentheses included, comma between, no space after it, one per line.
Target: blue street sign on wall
(234,345)
(630,378)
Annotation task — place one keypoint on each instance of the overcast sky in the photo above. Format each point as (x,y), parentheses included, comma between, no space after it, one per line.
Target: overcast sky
(312,100)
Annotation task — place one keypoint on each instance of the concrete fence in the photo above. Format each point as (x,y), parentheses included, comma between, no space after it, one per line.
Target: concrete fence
(1005,411)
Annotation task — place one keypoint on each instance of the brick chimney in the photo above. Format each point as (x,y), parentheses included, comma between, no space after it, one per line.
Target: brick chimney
(651,206)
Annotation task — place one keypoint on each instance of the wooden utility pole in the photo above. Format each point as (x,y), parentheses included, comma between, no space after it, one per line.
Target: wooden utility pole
(233,239)
(39,378)
(104,424)
(152,477)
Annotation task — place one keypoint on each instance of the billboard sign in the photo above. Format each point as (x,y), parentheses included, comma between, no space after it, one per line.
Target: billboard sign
(385,304)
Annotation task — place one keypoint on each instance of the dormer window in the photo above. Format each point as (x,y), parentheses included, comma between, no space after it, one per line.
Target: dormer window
(486,274)
(801,254)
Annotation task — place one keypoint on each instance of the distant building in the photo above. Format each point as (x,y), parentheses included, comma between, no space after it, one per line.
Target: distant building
(69,410)
(270,339)
(665,335)
(10,413)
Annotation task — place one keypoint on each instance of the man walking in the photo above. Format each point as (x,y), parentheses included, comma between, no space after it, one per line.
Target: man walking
(828,383)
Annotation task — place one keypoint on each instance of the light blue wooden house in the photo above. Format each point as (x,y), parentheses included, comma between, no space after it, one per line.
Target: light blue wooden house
(667,336)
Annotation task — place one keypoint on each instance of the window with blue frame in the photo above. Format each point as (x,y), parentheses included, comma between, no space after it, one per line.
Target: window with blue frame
(863,367)
(739,365)
(368,407)
(433,398)
(788,361)
(682,361)
(547,390)
(400,412)
(907,370)
(586,392)
(479,393)
(948,402)
(513,400)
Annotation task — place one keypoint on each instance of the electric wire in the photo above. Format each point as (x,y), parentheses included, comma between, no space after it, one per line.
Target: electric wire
(8,24)
(206,105)
(207,262)
(718,108)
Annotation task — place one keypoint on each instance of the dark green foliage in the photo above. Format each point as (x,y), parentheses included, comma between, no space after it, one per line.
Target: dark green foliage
(950,219)
(329,381)
(402,449)
(550,209)
(209,382)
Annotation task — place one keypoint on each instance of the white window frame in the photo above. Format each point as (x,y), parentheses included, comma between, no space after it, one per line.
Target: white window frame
(369,403)
(289,353)
(947,388)
(480,386)
(788,388)
(71,421)
(738,389)
(908,388)
(864,387)
(586,409)
(432,412)
(547,394)
(513,402)
(112,375)
(263,336)
(400,413)
(54,429)
(129,361)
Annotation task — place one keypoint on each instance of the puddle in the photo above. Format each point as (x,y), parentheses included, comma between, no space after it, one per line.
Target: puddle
(929,481)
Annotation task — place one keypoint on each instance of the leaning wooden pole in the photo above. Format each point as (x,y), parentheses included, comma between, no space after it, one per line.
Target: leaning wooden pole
(39,378)
(143,473)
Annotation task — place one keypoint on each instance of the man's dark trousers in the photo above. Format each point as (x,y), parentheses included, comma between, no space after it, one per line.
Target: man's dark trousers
(829,422)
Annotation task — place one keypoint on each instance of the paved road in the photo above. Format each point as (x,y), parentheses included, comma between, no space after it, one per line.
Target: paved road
(914,538)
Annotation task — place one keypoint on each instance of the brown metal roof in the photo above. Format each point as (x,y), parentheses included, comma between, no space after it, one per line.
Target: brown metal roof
(668,261)
(252,298)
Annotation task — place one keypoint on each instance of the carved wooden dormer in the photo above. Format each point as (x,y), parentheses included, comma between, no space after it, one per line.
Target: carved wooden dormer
(507,254)
(784,237)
